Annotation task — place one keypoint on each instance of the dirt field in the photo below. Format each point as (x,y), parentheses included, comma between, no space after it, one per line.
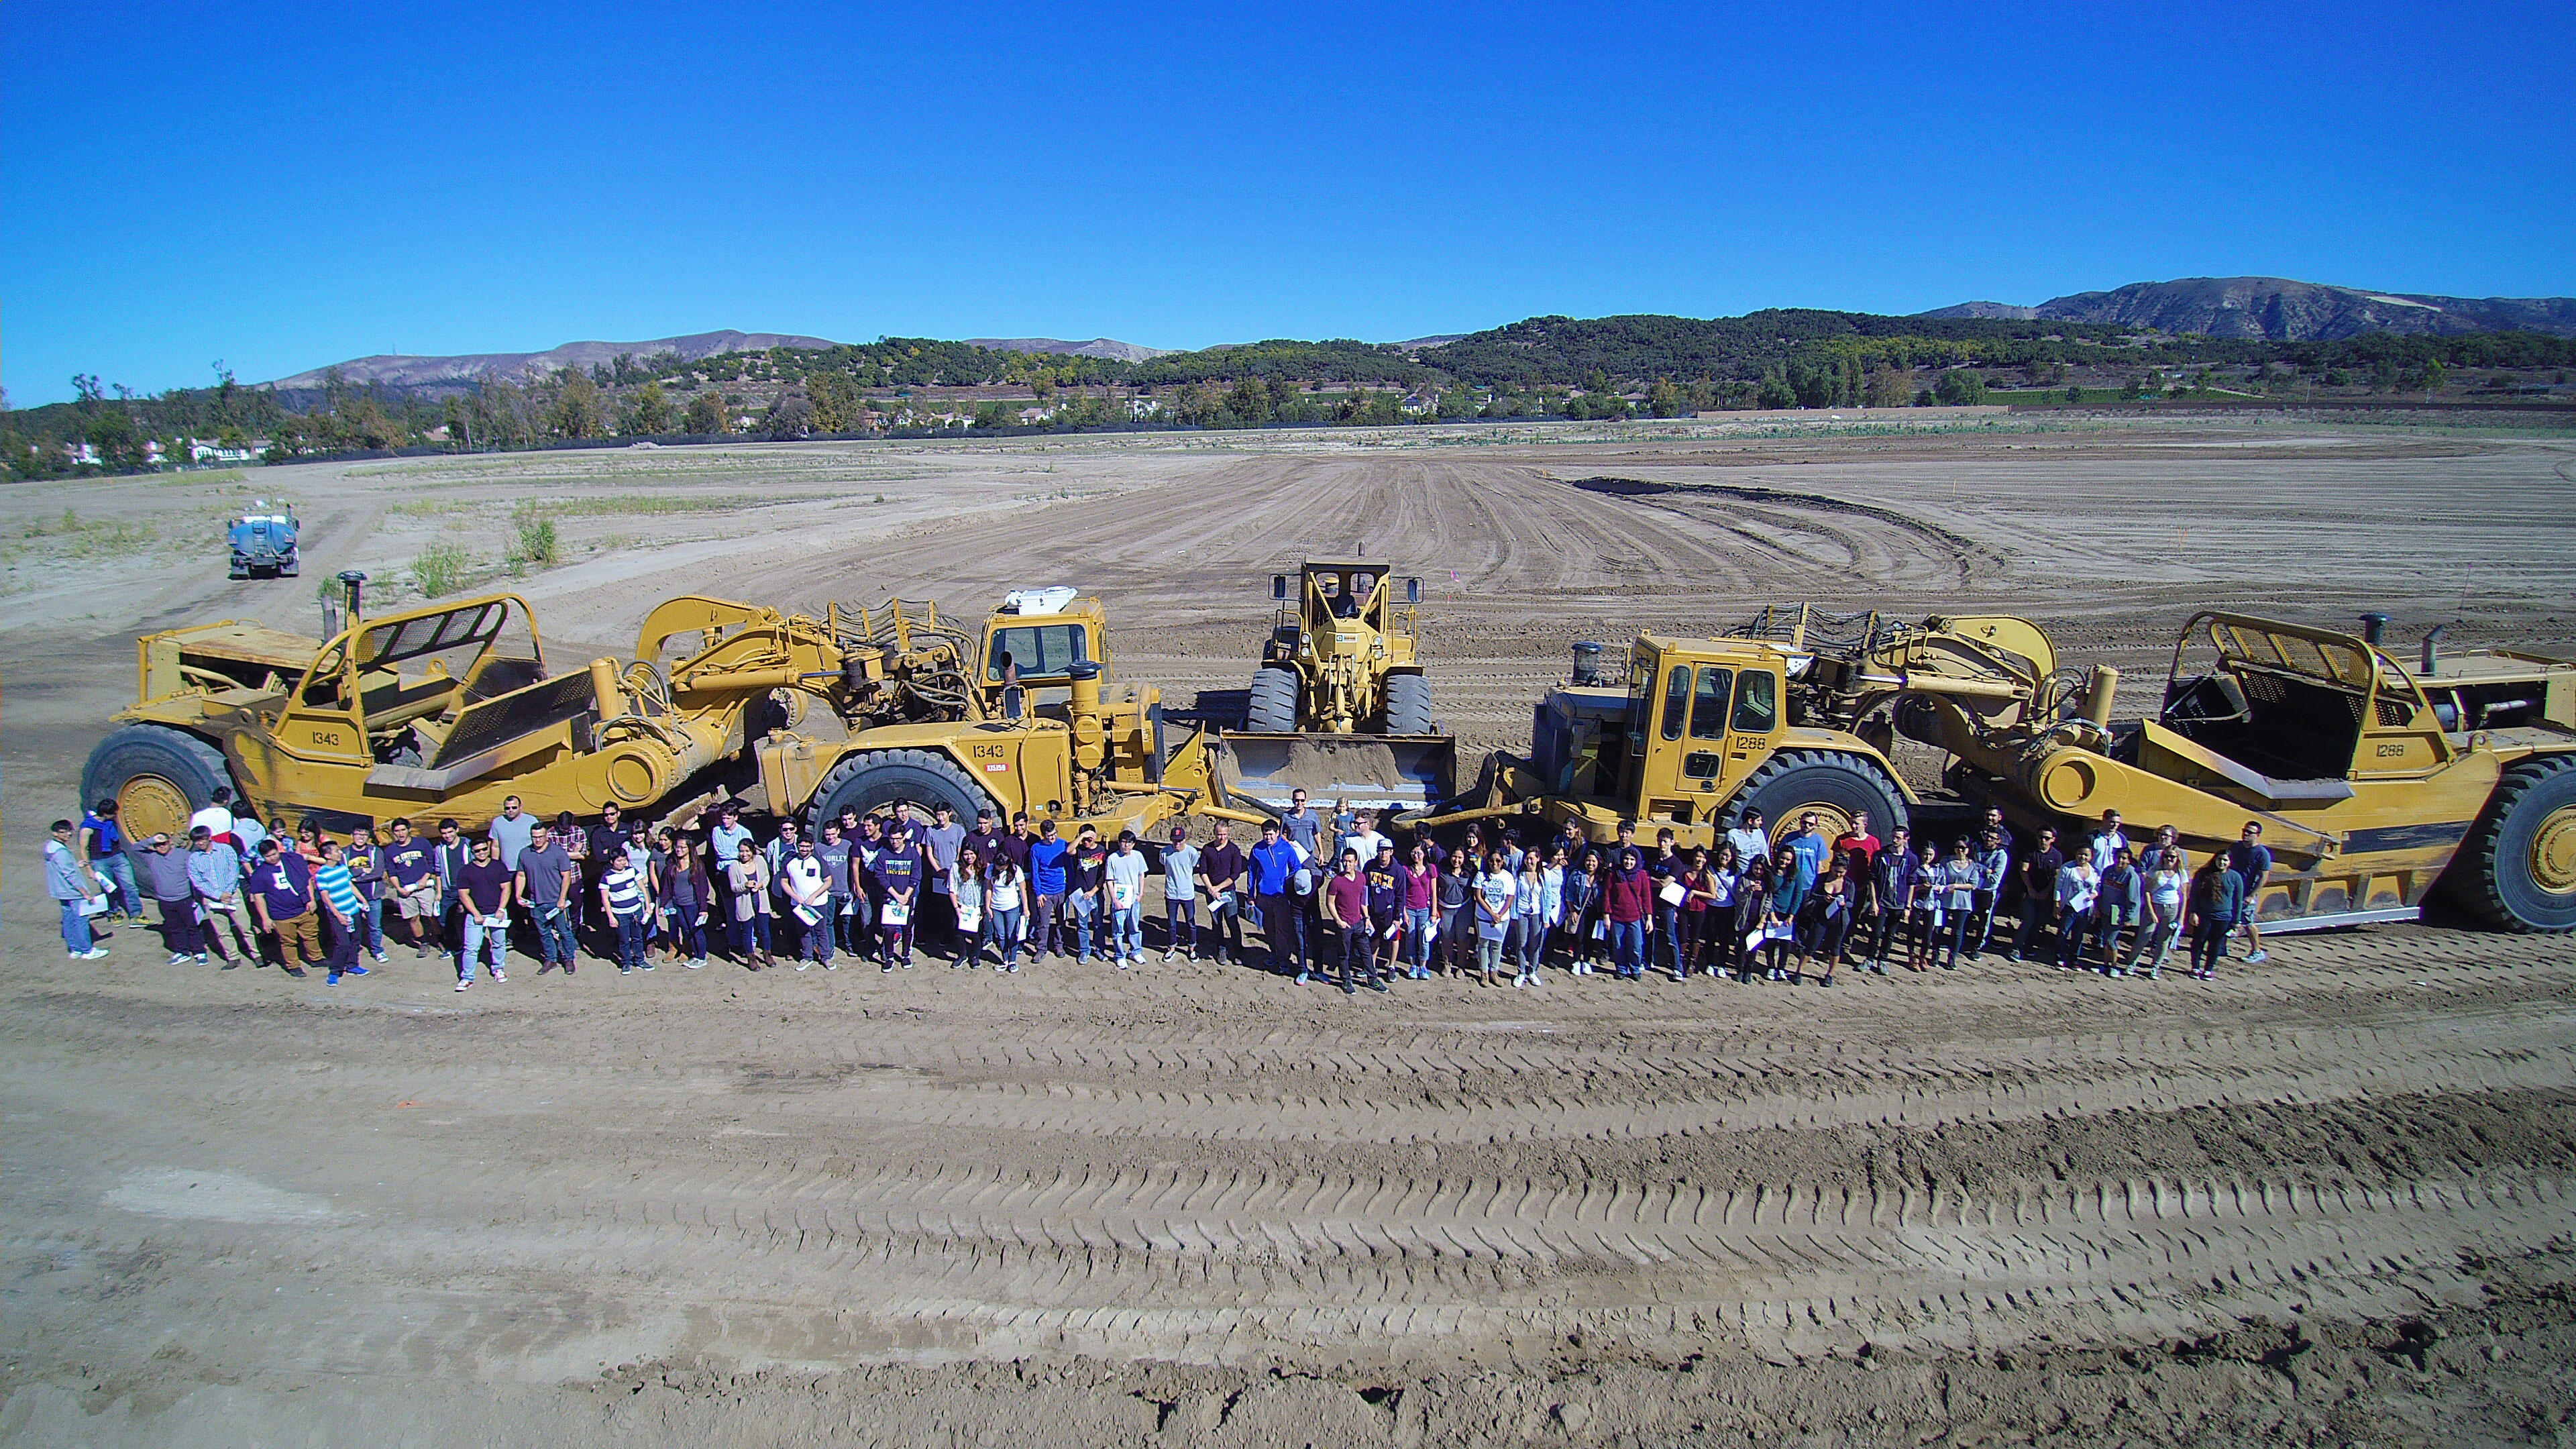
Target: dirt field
(2329,1200)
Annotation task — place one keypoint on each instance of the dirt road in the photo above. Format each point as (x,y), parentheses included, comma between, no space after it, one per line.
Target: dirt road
(2330,1200)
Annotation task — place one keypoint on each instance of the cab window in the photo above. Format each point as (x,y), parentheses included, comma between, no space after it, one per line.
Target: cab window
(1040,650)
(1708,703)
(1677,693)
(1757,702)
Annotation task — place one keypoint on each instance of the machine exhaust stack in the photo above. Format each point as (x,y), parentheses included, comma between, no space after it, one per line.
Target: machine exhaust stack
(2432,651)
(607,691)
(2097,694)
(2372,626)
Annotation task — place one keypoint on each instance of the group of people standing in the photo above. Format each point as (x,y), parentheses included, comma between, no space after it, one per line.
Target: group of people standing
(1792,911)
(1332,896)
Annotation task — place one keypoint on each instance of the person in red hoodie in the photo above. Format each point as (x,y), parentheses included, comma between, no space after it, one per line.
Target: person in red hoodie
(1628,899)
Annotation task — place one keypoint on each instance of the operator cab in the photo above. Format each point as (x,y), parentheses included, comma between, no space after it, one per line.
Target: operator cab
(1032,644)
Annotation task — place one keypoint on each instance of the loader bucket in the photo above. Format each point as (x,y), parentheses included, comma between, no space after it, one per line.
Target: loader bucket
(1378,772)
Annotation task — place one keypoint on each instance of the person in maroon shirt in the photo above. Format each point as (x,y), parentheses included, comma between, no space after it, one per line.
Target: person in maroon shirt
(1628,899)
(1345,899)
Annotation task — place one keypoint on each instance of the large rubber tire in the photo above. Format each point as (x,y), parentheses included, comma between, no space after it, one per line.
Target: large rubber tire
(2517,869)
(157,776)
(1270,706)
(1408,704)
(878,778)
(1835,786)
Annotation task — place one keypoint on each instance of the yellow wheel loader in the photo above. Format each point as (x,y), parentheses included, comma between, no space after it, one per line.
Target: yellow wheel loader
(1339,705)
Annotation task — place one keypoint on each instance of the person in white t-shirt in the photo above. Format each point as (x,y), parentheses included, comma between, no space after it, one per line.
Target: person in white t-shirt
(1124,871)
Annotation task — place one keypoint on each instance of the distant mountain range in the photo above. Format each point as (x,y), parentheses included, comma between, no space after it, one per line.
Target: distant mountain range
(1096,347)
(405,370)
(2265,308)
(2279,310)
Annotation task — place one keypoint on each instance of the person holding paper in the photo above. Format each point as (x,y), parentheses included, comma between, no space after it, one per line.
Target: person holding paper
(626,899)
(966,893)
(1006,898)
(1780,911)
(1496,893)
(809,897)
(1527,941)
(1124,875)
(900,871)
(747,882)
(1221,870)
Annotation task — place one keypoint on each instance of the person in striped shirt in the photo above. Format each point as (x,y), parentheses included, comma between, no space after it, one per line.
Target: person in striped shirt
(343,908)
(628,900)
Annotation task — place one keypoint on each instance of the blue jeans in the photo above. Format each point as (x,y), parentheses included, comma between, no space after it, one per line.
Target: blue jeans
(1628,947)
(1127,931)
(554,934)
(117,871)
(1417,942)
(1081,910)
(749,933)
(1002,932)
(75,927)
(688,933)
(630,941)
(373,923)
(1668,937)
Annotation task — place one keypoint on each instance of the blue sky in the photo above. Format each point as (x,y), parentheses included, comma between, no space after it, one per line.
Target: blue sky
(283,187)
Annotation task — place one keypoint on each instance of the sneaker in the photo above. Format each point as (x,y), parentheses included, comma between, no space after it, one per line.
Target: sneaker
(2257,958)
(567,970)
(828,966)
(178,958)
(1122,963)
(199,958)
(92,954)
(1301,976)
(1014,969)
(801,965)
(1374,985)
(464,981)
(624,970)
(497,976)
(334,979)
(1167,956)
(1349,990)
(379,955)
(357,971)
(887,968)
(295,971)
(648,962)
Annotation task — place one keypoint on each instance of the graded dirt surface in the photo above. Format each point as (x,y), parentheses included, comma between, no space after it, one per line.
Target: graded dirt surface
(2330,1199)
